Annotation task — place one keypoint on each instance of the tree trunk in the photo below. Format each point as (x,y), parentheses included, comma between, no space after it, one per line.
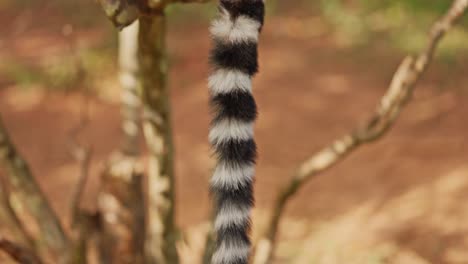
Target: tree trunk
(161,231)
(121,196)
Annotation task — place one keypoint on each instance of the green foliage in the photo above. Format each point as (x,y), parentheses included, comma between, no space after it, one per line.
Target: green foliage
(62,72)
(69,72)
(183,13)
(89,13)
(21,74)
(351,28)
(403,23)
(413,6)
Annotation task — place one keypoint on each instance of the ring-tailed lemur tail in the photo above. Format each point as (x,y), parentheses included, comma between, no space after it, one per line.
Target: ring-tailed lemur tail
(234,59)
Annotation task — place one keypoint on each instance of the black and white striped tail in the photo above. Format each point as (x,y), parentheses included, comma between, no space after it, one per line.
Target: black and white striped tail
(235,61)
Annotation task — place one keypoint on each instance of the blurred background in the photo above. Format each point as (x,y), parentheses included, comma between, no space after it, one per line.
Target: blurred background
(324,66)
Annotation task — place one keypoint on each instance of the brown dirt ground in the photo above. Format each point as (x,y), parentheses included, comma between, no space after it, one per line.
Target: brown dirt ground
(400,200)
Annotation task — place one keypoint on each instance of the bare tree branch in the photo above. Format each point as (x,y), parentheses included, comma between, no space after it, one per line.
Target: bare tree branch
(9,218)
(129,82)
(82,154)
(161,230)
(81,220)
(121,204)
(83,157)
(18,253)
(26,190)
(123,13)
(87,225)
(210,244)
(121,199)
(396,97)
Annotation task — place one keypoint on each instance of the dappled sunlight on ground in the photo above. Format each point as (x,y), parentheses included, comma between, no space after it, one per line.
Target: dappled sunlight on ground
(426,224)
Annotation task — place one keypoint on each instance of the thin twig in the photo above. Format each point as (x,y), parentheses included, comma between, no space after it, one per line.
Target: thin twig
(82,154)
(396,97)
(83,157)
(81,220)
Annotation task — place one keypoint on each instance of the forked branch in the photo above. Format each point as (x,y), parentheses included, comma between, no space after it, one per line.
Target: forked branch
(391,104)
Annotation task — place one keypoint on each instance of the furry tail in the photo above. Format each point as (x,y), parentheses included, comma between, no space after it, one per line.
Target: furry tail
(235,61)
